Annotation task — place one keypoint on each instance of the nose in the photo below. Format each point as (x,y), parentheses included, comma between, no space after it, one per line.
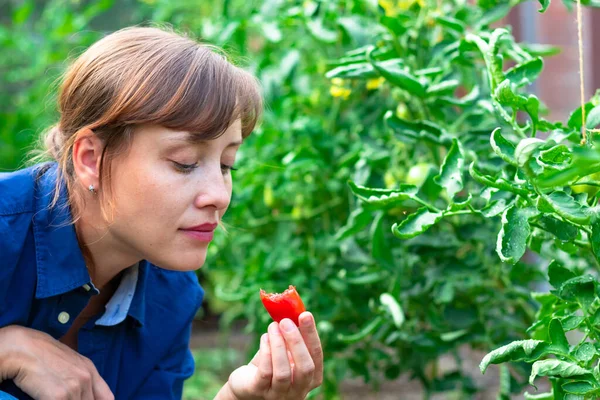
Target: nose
(214,190)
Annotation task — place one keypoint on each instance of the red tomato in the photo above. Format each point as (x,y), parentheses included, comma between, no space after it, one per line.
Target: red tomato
(283,305)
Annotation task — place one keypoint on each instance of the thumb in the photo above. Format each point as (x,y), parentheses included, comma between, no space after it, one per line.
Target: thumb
(254,360)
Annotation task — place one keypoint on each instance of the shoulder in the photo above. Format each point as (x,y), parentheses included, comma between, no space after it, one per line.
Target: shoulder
(18,190)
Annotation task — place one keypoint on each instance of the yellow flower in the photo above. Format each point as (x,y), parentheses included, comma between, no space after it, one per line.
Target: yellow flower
(373,84)
(388,7)
(338,90)
(342,92)
(393,8)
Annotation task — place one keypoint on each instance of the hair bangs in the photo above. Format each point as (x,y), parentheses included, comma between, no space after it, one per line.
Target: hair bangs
(204,94)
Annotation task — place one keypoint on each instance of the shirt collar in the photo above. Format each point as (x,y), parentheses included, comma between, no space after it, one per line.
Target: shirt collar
(60,263)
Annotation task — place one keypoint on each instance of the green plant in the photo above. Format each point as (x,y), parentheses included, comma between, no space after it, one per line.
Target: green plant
(424,109)
(520,193)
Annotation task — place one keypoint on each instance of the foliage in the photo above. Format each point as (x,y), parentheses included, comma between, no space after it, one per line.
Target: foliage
(499,169)
(402,179)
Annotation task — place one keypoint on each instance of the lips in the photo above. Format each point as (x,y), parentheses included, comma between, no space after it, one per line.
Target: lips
(202,228)
(202,233)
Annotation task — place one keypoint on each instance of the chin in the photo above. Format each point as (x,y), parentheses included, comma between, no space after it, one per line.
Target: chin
(181,264)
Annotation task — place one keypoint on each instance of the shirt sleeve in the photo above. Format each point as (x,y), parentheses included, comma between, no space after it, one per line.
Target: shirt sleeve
(6,396)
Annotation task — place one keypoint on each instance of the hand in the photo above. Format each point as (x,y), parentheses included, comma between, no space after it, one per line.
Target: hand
(46,369)
(288,365)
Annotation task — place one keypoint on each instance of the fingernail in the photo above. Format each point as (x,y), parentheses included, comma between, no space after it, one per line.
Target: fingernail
(307,321)
(287,325)
(265,338)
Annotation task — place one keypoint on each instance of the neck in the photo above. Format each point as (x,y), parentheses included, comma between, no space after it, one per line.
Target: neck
(105,256)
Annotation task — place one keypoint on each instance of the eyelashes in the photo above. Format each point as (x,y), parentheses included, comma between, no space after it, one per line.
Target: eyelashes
(189,168)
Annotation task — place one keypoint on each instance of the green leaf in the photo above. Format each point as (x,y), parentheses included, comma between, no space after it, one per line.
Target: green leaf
(565,206)
(525,73)
(460,205)
(592,120)
(558,274)
(585,352)
(393,307)
(320,32)
(494,208)
(502,147)
(545,4)
(452,336)
(563,230)
(575,120)
(444,87)
(451,23)
(540,396)
(506,96)
(492,15)
(416,223)
(572,322)
(383,197)
(358,220)
(450,176)
(558,157)
(23,12)
(381,250)
(512,238)
(578,387)
(515,351)
(555,368)
(557,336)
(359,70)
(595,238)
(363,333)
(581,288)
(394,73)
(499,183)
(416,130)
(525,149)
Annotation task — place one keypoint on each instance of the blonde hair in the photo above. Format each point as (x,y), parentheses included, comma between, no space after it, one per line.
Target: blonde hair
(145,75)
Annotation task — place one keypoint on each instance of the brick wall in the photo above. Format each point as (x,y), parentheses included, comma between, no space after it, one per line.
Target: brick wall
(558,86)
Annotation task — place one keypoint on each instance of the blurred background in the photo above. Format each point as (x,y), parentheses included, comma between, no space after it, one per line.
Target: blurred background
(293,219)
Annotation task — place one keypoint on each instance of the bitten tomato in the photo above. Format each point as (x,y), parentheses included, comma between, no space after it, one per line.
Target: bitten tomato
(283,305)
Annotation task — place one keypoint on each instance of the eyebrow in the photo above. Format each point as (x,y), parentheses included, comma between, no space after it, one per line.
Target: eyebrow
(190,139)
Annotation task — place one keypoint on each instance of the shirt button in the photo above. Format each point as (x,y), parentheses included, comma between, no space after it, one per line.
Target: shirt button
(63,317)
(86,287)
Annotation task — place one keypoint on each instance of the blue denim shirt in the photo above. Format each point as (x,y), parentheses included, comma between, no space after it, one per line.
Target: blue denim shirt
(140,345)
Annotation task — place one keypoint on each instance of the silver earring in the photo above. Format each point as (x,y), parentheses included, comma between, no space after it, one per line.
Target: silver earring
(92,189)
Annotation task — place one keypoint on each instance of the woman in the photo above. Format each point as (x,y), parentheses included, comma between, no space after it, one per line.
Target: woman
(99,247)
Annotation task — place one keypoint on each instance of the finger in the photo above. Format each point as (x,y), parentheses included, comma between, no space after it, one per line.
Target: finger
(308,329)
(282,373)
(101,390)
(265,365)
(304,367)
(256,357)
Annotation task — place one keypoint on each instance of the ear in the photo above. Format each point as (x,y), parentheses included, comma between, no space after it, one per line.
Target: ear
(87,152)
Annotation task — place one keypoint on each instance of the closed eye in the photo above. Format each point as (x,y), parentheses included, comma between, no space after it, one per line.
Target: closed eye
(185,168)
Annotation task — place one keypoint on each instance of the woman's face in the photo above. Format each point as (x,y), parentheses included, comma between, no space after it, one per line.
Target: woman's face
(170,194)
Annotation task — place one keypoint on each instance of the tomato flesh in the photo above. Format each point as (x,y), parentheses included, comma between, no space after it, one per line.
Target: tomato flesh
(283,305)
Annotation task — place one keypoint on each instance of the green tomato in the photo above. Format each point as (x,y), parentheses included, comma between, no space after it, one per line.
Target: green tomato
(417,174)
(590,190)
